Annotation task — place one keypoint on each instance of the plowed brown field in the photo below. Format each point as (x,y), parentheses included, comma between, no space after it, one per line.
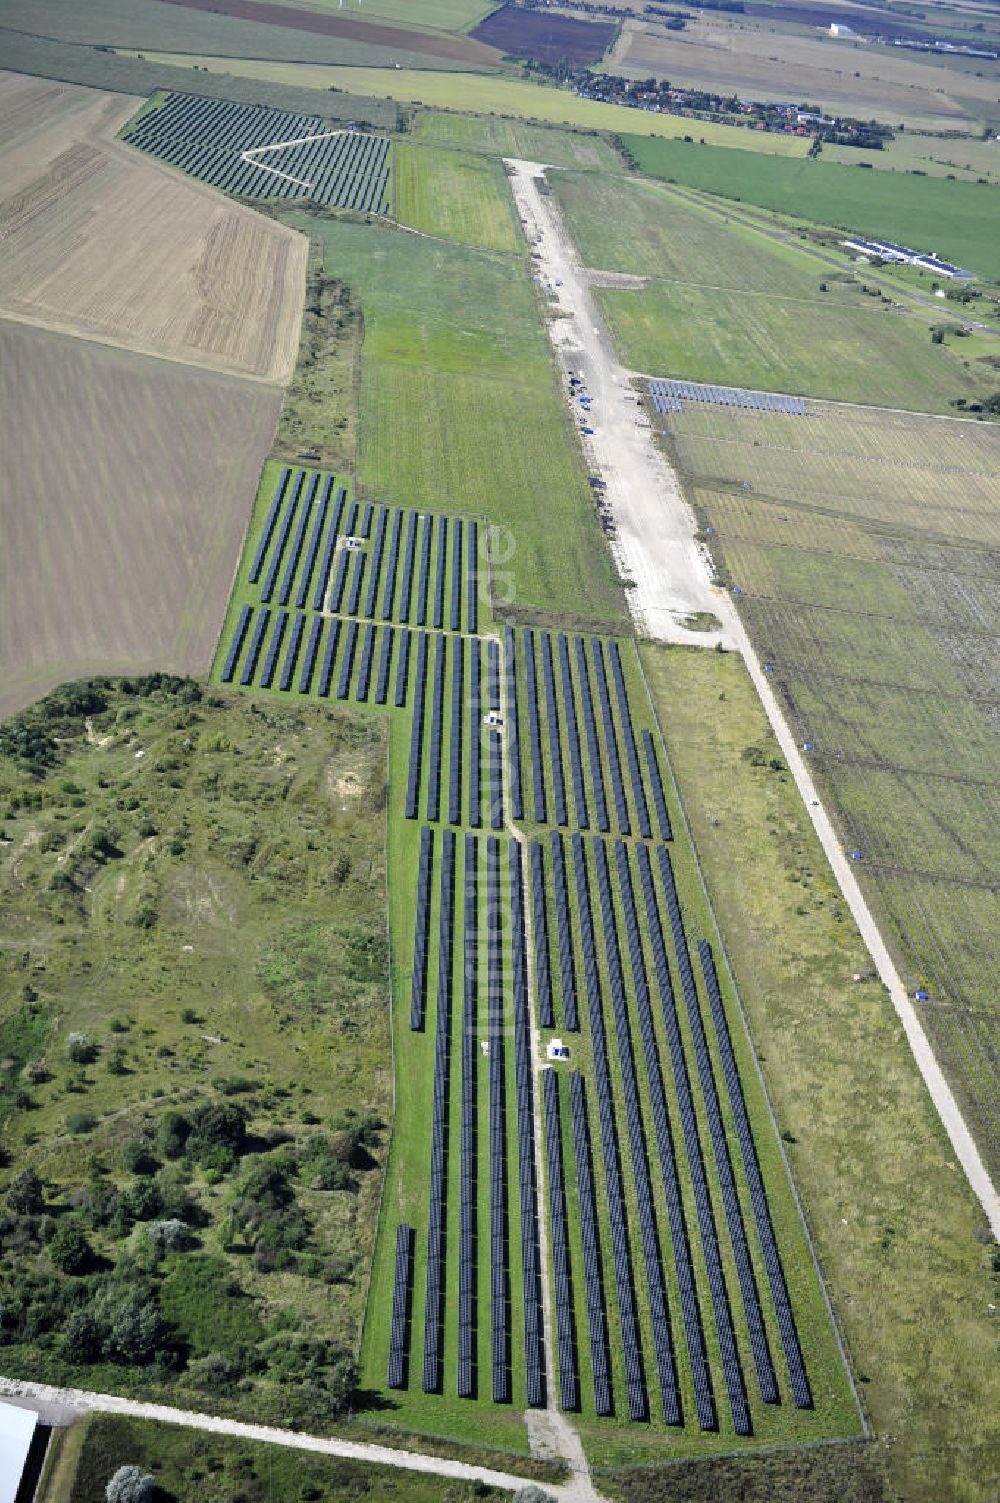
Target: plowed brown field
(126,487)
(101,241)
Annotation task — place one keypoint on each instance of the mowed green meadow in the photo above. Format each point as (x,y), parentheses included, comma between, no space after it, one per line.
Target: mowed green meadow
(455,195)
(731,304)
(958,220)
(500,136)
(460,410)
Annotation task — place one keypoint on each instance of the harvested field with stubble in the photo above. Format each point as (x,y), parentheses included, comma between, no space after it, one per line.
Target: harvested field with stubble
(863,549)
(102,242)
(127,483)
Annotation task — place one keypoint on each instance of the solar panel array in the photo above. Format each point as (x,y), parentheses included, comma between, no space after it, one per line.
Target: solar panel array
(416,572)
(256,152)
(670,396)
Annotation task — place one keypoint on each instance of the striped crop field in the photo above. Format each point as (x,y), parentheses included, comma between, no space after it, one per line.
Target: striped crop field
(620,1183)
(863,551)
(259,153)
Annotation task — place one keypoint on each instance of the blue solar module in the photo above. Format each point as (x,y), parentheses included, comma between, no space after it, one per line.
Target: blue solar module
(365,666)
(354,593)
(569,1378)
(540,927)
(456,574)
(457,710)
(593,1276)
(534,1352)
(423,578)
(309,660)
(552,722)
(339,580)
(421,931)
(496,781)
(437,1210)
(409,553)
(475,737)
(534,729)
(384,658)
(468,1269)
(402,669)
(635,1378)
(284,594)
(499,1250)
(648,1230)
(329,657)
(392,565)
(564,935)
(322,512)
(417,728)
(573,735)
(375,570)
(593,745)
(347,660)
(274,647)
(656,783)
(351,522)
(365,528)
(493,674)
(472,581)
(610,739)
(442,573)
(437,732)
(513,729)
(269,525)
(236,645)
(801,1392)
(323,577)
(292,653)
(284,527)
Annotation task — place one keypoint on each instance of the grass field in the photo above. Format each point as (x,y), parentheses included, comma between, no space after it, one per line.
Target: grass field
(952,218)
(833,1055)
(968,159)
(119,538)
(485,94)
(456,196)
(179,914)
(417,15)
(516,138)
(769,313)
(460,408)
(866,556)
(88,1454)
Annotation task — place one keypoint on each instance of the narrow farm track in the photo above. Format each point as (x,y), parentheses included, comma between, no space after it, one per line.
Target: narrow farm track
(59,1405)
(655,547)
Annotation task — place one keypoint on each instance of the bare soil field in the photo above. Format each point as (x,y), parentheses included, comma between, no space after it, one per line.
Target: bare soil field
(459,48)
(106,243)
(547,38)
(736,56)
(126,490)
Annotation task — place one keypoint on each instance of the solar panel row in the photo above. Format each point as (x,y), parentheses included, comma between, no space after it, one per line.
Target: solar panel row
(564,934)
(628,736)
(435,1288)
(437,731)
(593,745)
(417,729)
(402,1289)
(593,1276)
(499,1251)
(669,396)
(534,1355)
(475,736)
(540,929)
(534,730)
(467,1264)
(513,727)
(421,933)
(455,766)
(569,1378)
(573,735)
(610,739)
(552,719)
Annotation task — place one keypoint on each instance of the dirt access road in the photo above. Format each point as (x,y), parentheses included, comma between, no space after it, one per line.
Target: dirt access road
(655,547)
(654,544)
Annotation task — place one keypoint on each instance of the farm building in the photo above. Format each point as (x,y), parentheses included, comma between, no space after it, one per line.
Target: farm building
(890,251)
